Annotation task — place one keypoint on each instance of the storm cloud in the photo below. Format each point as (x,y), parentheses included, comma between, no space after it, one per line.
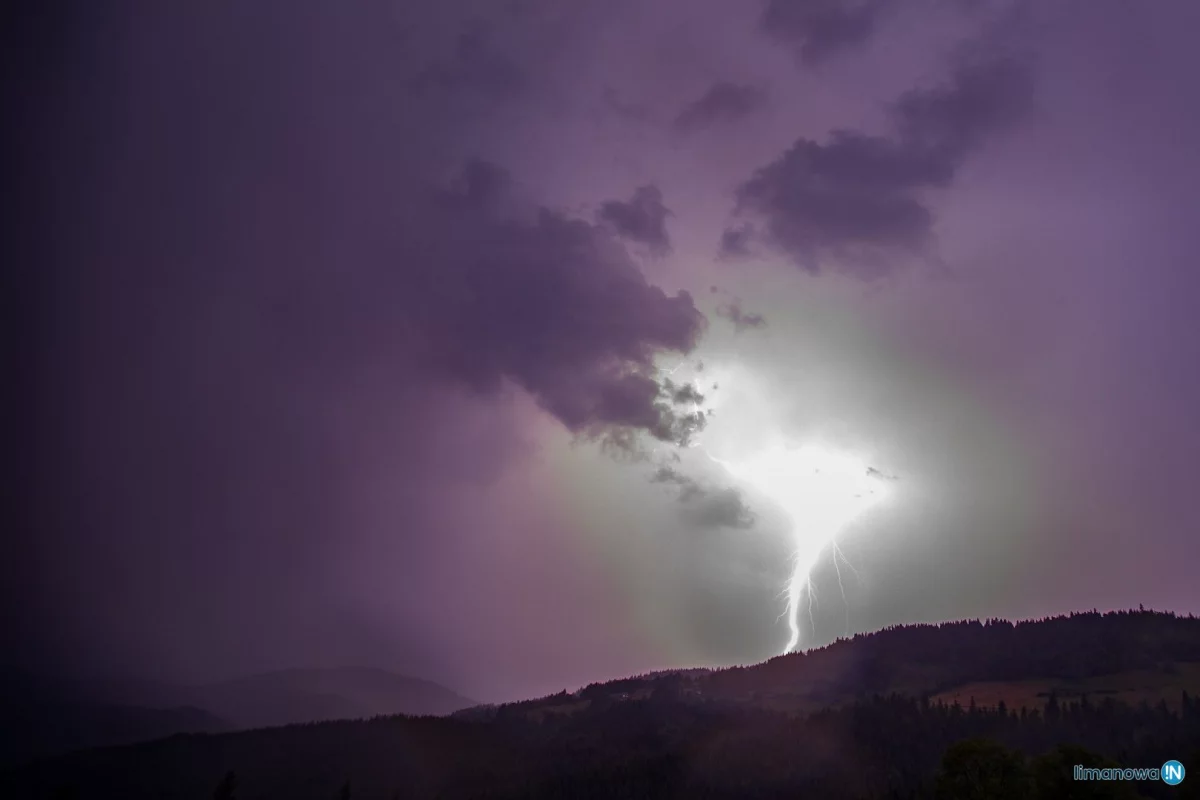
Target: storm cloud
(857,201)
(741,320)
(706,506)
(552,303)
(354,333)
(641,219)
(821,29)
(475,66)
(723,102)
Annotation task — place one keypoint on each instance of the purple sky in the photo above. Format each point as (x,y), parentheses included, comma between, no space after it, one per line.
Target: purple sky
(343,326)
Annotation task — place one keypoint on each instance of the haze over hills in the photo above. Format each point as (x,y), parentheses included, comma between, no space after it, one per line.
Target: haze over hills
(869,716)
(300,695)
(62,715)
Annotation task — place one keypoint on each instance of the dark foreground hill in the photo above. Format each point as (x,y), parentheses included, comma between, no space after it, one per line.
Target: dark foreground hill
(756,732)
(29,729)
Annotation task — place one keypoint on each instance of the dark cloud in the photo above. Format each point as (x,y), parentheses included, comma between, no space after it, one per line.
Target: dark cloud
(689,487)
(552,303)
(633,112)
(857,199)
(706,507)
(687,394)
(623,445)
(820,29)
(679,427)
(642,219)
(722,102)
(947,122)
(720,508)
(476,65)
(851,194)
(735,242)
(481,184)
(742,320)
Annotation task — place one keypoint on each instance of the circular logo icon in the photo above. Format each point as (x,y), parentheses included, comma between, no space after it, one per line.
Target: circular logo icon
(1172,773)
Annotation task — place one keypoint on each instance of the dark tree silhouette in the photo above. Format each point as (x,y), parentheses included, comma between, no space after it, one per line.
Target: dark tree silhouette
(226,788)
(1053,777)
(978,769)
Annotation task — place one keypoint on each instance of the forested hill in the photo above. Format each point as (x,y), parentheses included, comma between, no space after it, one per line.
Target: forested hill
(928,659)
(1133,655)
(732,733)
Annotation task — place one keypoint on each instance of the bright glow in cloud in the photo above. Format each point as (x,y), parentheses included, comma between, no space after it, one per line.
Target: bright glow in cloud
(822,491)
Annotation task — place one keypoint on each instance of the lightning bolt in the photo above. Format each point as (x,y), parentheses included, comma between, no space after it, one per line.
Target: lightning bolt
(800,587)
(822,492)
(799,582)
(840,555)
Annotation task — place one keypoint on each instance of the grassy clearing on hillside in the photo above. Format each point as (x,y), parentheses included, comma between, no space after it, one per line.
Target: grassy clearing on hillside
(1132,687)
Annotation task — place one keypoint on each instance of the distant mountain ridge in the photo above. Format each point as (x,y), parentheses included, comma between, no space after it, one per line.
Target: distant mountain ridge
(61,715)
(313,695)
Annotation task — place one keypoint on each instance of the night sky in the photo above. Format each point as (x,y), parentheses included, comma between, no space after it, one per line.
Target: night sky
(387,333)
